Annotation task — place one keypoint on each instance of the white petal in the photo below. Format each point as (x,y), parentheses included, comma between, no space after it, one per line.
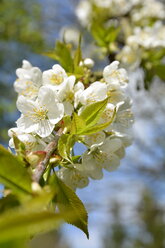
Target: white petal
(112,163)
(55,112)
(25,105)
(46,96)
(45,128)
(111,145)
(26,125)
(97,173)
(26,64)
(68,108)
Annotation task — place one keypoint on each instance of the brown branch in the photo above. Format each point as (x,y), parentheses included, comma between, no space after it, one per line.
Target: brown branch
(50,148)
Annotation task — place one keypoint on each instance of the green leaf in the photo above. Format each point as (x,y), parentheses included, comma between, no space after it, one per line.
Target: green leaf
(67,122)
(68,201)
(13,174)
(99,33)
(8,202)
(62,53)
(160,71)
(97,128)
(19,243)
(78,124)
(92,113)
(28,220)
(65,144)
(78,54)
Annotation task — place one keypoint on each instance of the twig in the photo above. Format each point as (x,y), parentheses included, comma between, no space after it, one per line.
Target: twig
(50,148)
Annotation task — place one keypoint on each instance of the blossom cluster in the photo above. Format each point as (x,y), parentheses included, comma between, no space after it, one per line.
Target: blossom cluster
(141,26)
(46,99)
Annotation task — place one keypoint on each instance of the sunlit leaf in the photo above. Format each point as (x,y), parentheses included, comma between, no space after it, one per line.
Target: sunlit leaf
(13,174)
(78,124)
(92,113)
(68,202)
(30,219)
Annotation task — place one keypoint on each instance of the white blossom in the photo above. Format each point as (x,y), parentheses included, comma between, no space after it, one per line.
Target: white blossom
(95,139)
(123,119)
(113,75)
(103,157)
(29,80)
(28,139)
(97,91)
(72,177)
(40,116)
(54,77)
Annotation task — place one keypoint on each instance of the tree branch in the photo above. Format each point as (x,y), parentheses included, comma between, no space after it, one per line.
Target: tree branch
(41,167)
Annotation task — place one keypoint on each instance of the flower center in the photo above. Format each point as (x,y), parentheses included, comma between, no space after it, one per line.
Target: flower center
(38,114)
(100,157)
(30,90)
(91,98)
(69,96)
(56,79)
(107,114)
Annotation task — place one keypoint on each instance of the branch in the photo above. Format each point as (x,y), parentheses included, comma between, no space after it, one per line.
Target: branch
(41,167)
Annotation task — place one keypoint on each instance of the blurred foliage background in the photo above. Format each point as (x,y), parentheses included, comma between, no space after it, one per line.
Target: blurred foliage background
(127,208)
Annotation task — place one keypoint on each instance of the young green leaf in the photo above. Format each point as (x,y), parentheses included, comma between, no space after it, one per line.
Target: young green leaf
(62,54)
(160,71)
(97,128)
(65,145)
(78,54)
(68,202)
(92,113)
(78,124)
(13,174)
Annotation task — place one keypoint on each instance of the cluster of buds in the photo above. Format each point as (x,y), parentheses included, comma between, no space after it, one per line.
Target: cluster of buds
(56,104)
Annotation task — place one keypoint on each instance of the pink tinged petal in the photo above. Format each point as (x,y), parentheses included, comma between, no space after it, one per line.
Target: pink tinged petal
(45,128)
(26,125)
(25,105)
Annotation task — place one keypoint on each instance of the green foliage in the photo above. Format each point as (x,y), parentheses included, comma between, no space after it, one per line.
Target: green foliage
(13,174)
(16,20)
(27,212)
(87,122)
(67,58)
(103,35)
(92,113)
(70,206)
(65,144)
(78,124)
(29,219)
(62,53)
